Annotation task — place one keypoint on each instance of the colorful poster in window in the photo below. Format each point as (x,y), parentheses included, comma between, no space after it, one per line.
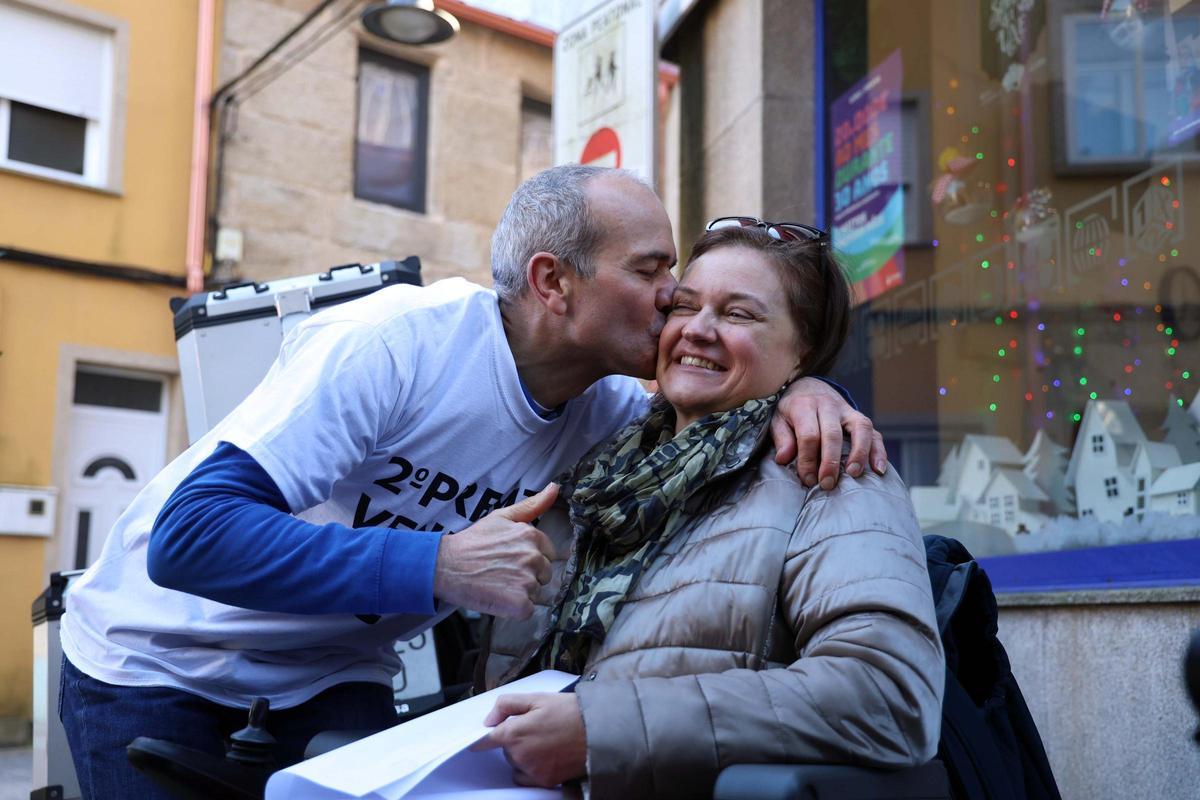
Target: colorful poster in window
(868,188)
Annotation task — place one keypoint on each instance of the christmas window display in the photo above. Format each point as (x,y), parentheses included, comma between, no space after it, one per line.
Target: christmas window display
(1035,364)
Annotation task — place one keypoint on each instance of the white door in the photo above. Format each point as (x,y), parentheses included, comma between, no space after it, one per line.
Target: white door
(117,442)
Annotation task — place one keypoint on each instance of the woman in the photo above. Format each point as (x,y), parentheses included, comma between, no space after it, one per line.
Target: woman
(718,611)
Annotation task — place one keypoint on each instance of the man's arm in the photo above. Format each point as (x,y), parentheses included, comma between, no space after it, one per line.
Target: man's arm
(808,426)
(225,533)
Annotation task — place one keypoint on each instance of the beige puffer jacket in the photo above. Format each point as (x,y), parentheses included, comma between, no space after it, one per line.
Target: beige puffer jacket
(781,624)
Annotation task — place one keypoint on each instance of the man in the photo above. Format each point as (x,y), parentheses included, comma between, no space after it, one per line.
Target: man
(284,552)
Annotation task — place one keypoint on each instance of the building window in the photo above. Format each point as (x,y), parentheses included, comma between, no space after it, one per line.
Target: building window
(993,502)
(1110,487)
(1098,443)
(1181,498)
(1141,484)
(60,116)
(96,386)
(537,138)
(390,146)
(1122,88)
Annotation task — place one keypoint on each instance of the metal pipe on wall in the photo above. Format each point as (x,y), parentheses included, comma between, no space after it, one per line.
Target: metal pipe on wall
(198,183)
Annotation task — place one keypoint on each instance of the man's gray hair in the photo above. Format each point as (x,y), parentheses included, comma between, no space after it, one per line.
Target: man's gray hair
(548,213)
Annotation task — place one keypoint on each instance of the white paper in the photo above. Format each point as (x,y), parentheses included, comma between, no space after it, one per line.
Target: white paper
(393,763)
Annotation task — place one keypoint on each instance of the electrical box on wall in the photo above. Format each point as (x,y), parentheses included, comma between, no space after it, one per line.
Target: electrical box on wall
(27,510)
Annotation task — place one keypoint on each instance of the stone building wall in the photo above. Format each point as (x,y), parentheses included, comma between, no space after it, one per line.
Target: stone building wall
(1102,673)
(288,173)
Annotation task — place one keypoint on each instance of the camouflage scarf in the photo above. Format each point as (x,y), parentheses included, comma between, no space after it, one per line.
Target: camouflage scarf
(626,502)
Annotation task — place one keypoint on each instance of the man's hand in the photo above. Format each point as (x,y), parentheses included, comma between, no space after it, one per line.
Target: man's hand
(542,736)
(808,426)
(496,565)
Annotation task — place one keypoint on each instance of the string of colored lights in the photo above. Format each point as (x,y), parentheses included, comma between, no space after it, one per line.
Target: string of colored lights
(1075,374)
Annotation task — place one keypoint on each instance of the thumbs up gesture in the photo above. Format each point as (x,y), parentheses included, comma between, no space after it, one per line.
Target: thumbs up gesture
(496,565)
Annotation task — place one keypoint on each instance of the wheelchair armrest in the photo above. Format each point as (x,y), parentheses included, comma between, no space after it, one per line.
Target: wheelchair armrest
(821,781)
(325,741)
(194,775)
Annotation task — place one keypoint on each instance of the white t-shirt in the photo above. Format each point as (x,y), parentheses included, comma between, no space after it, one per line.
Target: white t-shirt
(385,410)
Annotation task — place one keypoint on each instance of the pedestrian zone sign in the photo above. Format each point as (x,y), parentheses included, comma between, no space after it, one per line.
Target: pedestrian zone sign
(605,83)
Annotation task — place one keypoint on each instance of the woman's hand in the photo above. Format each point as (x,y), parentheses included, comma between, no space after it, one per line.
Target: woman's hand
(808,426)
(542,736)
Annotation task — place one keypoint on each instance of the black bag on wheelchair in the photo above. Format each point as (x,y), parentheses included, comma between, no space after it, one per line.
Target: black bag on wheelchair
(989,744)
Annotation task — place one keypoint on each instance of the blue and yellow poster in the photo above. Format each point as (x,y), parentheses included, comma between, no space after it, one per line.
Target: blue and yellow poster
(868,190)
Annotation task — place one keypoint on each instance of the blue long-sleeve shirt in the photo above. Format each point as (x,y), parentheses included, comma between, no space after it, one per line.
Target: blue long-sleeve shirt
(226,533)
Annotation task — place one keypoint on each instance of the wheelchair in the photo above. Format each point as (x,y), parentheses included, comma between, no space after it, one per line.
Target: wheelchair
(243,773)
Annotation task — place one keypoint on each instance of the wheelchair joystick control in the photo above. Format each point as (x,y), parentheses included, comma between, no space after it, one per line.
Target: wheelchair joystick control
(252,745)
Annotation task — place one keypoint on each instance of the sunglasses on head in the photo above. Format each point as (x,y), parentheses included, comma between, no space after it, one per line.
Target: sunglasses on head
(783,231)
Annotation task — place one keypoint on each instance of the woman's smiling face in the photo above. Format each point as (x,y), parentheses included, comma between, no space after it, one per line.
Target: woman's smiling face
(729,338)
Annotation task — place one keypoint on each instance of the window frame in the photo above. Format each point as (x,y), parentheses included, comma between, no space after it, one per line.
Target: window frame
(104,138)
(1061,30)
(421,147)
(534,105)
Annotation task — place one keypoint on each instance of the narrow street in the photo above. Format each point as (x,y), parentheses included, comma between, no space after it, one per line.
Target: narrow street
(16,772)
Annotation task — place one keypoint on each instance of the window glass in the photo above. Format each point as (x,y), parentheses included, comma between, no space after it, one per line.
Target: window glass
(58,98)
(1011,186)
(46,138)
(390,157)
(117,391)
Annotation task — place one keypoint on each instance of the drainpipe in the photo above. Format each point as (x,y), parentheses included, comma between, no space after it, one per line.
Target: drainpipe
(198,184)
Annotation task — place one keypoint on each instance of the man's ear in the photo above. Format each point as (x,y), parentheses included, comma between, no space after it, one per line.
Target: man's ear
(549,281)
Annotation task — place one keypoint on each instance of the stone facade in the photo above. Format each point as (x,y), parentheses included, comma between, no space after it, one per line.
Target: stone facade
(746,101)
(1102,673)
(288,173)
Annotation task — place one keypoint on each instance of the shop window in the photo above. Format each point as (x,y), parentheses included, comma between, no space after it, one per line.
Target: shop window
(390,145)
(1047,333)
(60,113)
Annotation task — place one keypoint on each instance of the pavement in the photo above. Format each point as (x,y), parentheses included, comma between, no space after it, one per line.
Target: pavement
(16,773)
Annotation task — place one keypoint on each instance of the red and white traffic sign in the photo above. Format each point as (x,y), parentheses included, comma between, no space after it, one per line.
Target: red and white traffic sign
(603,149)
(605,88)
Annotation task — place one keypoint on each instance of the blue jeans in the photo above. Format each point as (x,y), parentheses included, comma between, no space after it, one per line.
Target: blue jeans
(101,719)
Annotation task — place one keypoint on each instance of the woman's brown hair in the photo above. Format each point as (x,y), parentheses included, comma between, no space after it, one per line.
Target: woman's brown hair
(818,294)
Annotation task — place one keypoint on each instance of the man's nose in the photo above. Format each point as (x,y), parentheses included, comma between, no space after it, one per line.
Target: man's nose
(664,295)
